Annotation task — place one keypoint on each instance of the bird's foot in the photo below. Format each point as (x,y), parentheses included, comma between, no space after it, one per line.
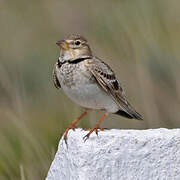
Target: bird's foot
(72,126)
(96,129)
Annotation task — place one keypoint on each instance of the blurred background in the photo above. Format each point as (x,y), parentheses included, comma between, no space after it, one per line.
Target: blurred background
(139,39)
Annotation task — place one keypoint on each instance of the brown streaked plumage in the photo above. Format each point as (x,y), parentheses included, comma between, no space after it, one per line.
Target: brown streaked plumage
(55,79)
(89,82)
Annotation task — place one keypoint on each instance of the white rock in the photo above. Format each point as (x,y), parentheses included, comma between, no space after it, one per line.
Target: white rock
(118,155)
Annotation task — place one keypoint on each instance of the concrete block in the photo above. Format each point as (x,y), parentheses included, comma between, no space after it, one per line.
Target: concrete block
(152,154)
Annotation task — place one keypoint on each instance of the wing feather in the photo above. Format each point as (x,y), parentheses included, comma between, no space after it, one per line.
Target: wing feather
(108,82)
(54,77)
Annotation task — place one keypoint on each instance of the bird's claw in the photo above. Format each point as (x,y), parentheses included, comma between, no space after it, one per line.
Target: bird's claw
(91,131)
(86,137)
(73,127)
(65,139)
(67,130)
(96,130)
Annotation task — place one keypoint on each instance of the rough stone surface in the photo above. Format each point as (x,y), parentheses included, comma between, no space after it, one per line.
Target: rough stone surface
(152,154)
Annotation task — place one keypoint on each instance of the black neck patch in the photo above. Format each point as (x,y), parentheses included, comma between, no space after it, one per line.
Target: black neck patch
(59,63)
(75,61)
(78,60)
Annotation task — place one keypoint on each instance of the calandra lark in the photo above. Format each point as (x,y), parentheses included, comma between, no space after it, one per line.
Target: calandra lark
(89,82)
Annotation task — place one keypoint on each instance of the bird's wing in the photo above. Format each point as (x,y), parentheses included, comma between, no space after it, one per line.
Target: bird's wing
(109,83)
(54,77)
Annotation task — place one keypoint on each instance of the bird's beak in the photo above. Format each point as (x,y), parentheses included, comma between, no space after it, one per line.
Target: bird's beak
(63,44)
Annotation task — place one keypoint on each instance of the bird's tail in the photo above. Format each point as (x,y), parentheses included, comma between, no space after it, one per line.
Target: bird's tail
(125,109)
(132,115)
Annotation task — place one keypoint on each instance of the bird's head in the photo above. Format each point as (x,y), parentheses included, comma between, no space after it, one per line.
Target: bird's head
(74,47)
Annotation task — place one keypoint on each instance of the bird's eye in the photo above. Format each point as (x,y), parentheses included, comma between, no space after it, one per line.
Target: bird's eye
(77,43)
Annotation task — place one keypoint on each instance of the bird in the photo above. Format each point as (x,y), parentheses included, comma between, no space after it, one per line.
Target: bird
(89,82)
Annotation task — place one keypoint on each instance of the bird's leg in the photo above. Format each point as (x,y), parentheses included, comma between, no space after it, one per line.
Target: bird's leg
(95,128)
(73,124)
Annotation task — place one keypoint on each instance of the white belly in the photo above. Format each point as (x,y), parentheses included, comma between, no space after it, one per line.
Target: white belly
(91,96)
